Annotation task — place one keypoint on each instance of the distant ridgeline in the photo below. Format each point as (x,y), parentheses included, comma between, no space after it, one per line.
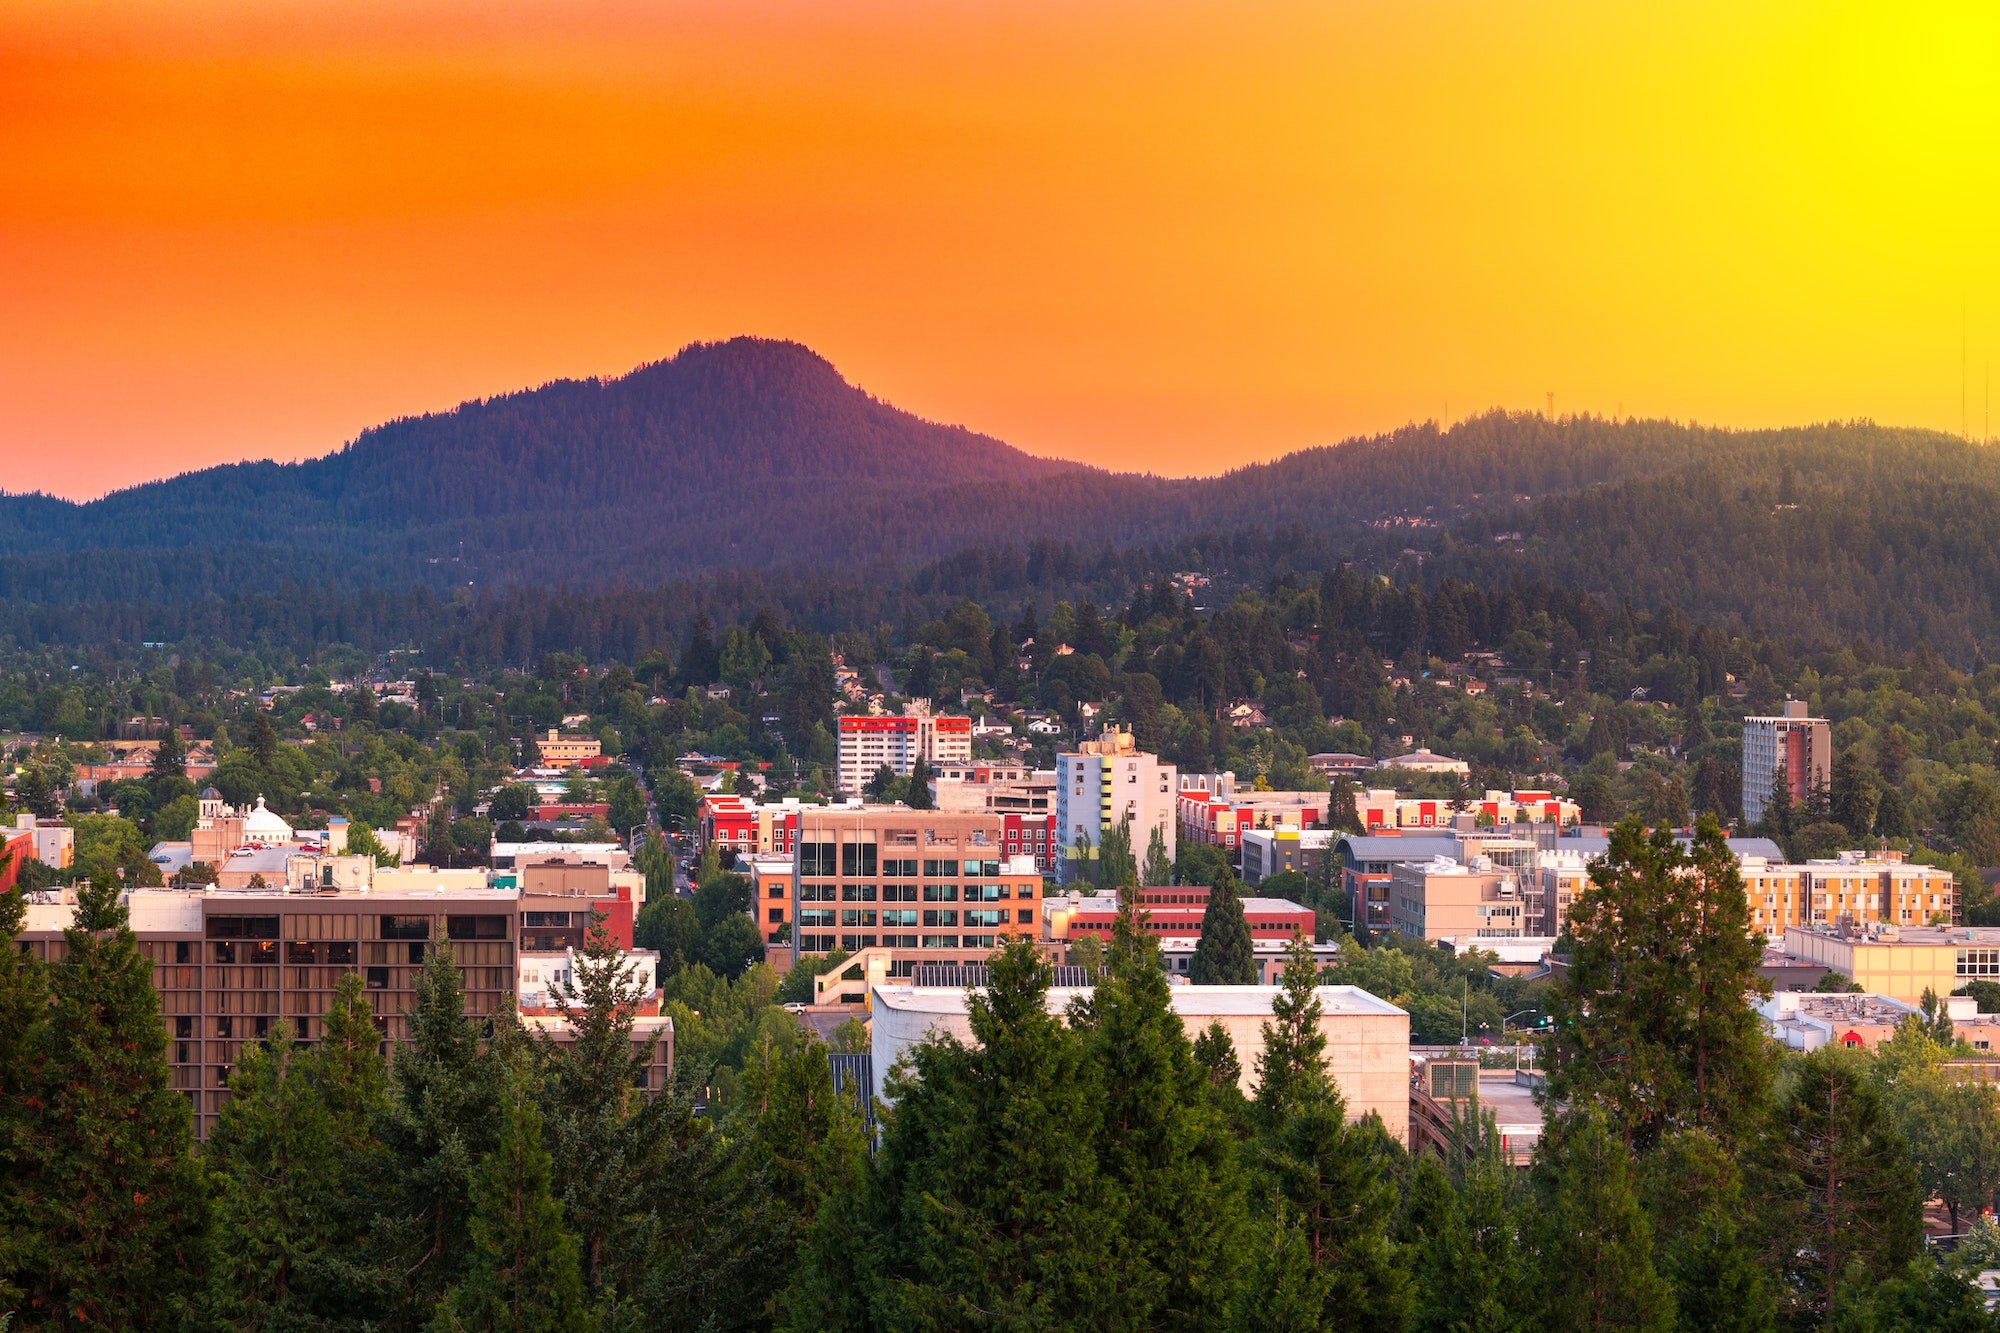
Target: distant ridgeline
(750,472)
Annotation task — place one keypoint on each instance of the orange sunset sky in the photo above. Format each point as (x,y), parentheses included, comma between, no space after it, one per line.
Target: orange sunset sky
(1175,237)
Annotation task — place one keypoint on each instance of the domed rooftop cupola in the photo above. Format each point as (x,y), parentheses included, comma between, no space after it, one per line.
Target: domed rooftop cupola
(265,826)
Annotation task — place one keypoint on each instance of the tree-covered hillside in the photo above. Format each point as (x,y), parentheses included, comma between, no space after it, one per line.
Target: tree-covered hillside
(753,461)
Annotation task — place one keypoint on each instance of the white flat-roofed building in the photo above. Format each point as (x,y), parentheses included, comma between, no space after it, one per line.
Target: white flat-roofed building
(1367,1038)
(1424,760)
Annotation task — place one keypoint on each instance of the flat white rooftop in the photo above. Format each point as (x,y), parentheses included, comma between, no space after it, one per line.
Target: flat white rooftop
(1217,1001)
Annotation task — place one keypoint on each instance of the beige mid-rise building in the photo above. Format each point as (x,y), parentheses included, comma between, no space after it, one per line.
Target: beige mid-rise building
(1367,1038)
(1445,900)
(1901,963)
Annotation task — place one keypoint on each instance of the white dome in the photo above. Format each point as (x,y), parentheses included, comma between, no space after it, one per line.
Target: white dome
(265,826)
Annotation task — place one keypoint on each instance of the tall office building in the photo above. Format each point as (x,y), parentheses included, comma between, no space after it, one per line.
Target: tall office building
(867,744)
(1107,781)
(931,885)
(1801,746)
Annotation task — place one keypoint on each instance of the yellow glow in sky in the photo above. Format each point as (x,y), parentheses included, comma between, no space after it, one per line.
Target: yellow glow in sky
(1172,237)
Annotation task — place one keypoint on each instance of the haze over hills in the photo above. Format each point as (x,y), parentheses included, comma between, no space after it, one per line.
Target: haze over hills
(756,455)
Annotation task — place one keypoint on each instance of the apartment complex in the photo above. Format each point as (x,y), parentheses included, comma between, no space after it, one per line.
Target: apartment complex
(1221,818)
(1267,852)
(1368,864)
(1792,742)
(1384,808)
(864,745)
(933,884)
(1105,782)
(1024,798)
(1562,877)
(739,826)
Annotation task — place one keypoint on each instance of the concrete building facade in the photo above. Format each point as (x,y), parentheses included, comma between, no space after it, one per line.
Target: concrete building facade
(1794,742)
(1105,782)
(1367,1038)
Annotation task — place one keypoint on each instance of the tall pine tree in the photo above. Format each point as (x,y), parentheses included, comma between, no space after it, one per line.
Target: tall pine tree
(1654,1028)
(1593,1261)
(1693,1193)
(275,1167)
(986,1206)
(1224,955)
(110,1172)
(24,1007)
(521,1272)
(1320,1179)
(441,1123)
(1837,1182)
(1164,1143)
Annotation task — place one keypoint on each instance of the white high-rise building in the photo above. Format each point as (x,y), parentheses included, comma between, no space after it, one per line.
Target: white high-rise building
(1106,781)
(866,744)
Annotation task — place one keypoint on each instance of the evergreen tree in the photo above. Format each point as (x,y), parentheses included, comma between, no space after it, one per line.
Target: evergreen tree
(1600,740)
(1838,1184)
(1693,1192)
(170,759)
(263,743)
(1855,795)
(520,1270)
(614,1147)
(1216,1053)
(986,1206)
(1341,816)
(806,1144)
(24,1005)
(1224,955)
(1159,868)
(1471,1271)
(1781,814)
(352,1081)
(1116,867)
(1163,1142)
(439,1126)
(1593,1248)
(274,1161)
(1652,1027)
(1320,1178)
(1710,793)
(1892,815)
(918,796)
(116,1193)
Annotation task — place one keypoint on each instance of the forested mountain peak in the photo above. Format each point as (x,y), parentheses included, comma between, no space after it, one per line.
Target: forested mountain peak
(754,457)
(745,406)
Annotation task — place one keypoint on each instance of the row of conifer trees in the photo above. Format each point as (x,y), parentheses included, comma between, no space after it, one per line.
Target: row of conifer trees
(1090,1169)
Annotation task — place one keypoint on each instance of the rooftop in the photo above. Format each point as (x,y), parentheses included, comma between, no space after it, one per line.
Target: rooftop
(1198,1001)
(1986,936)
